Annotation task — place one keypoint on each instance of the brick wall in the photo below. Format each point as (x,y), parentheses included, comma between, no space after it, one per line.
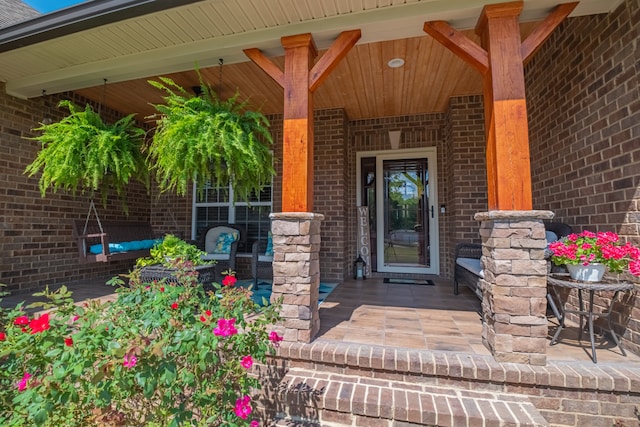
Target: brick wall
(330,192)
(583,100)
(466,170)
(36,245)
(171,214)
(584,109)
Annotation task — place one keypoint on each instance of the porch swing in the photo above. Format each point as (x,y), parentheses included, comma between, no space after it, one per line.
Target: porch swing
(106,241)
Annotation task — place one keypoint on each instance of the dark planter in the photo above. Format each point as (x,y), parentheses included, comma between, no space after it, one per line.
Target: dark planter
(206,274)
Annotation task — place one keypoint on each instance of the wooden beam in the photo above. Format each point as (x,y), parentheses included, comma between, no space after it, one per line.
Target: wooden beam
(299,79)
(459,44)
(297,149)
(543,30)
(329,61)
(266,64)
(490,131)
(501,61)
(508,162)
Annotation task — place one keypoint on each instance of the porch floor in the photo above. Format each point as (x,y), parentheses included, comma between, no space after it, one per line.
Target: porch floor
(433,318)
(422,317)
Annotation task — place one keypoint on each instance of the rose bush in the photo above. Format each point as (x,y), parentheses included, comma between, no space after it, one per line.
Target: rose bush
(161,354)
(603,248)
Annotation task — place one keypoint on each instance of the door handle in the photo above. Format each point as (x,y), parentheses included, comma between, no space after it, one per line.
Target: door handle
(432,212)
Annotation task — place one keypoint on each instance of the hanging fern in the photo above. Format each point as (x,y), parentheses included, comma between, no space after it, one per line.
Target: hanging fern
(81,152)
(203,139)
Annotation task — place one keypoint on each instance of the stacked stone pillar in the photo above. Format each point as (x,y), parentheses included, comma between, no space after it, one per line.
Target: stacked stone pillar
(514,285)
(296,273)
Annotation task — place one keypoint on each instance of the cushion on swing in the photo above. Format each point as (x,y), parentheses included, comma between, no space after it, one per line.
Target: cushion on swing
(135,245)
(91,235)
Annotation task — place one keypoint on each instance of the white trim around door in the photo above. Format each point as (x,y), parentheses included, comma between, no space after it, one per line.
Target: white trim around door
(402,248)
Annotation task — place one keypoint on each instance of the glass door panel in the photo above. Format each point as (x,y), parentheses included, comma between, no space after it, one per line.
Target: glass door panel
(405,217)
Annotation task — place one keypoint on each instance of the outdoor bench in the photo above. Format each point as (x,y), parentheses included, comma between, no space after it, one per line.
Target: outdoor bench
(468,268)
(112,240)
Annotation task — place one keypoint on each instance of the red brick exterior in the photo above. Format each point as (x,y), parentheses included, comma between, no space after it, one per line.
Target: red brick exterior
(330,184)
(465,173)
(584,107)
(583,101)
(171,214)
(458,136)
(466,167)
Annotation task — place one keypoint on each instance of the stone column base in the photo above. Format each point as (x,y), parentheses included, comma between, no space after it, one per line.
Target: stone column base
(296,273)
(515,285)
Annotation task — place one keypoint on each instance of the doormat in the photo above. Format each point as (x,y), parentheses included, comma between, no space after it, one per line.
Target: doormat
(427,282)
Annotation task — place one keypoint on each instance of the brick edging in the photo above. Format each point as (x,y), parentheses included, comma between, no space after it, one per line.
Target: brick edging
(409,363)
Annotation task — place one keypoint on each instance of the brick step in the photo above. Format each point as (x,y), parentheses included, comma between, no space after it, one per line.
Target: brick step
(310,398)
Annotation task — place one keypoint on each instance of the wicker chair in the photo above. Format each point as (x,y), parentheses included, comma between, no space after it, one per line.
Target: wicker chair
(261,263)
(207,242)
(559,228)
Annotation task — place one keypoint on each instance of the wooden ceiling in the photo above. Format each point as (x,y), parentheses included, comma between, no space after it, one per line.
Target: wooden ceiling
(363,84)
(172,40)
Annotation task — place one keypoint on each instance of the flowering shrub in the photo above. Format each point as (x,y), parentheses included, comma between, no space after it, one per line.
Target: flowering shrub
(162,354)
(603,247)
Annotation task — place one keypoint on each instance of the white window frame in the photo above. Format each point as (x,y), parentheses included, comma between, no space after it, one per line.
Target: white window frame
(230,205)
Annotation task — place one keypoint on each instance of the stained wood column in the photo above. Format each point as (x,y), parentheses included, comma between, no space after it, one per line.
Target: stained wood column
(297,154)
(500,60)
(507,128)
(299,79)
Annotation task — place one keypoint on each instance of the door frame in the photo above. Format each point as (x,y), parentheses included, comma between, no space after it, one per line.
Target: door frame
(434,234)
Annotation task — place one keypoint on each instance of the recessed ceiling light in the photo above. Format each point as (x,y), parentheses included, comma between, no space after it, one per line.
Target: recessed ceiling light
(396,63)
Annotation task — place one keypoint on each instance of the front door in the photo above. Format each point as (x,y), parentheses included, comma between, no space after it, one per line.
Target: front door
(404,218)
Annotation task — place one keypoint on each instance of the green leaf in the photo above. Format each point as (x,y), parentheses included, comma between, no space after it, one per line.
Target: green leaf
(53,353)
(149,387)
(59,372)
(77,369)
(40,416)
(105,395)
(169,374)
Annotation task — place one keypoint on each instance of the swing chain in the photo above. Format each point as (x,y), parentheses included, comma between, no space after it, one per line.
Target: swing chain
(92,206)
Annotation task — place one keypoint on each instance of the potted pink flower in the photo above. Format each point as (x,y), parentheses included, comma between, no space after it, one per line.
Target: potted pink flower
(587,255)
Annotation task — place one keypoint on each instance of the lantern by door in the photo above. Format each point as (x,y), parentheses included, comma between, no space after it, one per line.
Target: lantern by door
(358,268)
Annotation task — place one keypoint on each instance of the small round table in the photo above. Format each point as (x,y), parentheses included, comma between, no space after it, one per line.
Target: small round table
(563,280)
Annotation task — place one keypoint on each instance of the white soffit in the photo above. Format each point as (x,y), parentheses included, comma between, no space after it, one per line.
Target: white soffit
(177,39)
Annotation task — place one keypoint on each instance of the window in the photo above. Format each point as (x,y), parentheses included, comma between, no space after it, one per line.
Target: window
(215,206)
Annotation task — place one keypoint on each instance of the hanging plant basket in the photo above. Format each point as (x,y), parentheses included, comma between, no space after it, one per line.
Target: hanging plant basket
(83,153)
(203,139)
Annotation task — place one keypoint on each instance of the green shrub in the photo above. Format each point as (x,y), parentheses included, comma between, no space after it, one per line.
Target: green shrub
(159,355)
(172,248)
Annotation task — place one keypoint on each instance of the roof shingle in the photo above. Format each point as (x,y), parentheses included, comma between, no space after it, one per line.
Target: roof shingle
(15,11)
